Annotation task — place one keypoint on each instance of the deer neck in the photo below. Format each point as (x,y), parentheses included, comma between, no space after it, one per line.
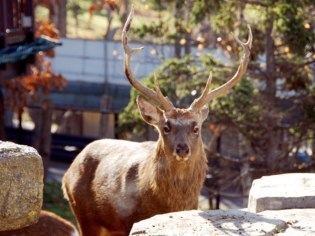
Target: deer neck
(167,181)
(163,172)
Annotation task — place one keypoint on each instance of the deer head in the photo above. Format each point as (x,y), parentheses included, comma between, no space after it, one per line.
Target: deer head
(179,129)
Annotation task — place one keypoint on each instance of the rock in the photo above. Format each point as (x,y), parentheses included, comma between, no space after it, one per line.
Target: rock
(21,184)
(216,222)
(48,224)
(300,221)
(268,195)
(285,191)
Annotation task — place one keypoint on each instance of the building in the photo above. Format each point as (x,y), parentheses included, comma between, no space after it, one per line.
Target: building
(16,28)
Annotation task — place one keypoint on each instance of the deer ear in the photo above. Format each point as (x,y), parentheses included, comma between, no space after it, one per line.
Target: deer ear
(204,112)
(150,113)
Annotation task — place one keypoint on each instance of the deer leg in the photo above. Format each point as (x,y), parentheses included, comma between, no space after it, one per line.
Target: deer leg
(217,201)
(210,198)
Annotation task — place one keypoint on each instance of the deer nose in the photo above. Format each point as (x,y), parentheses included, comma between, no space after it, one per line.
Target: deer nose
(182,149)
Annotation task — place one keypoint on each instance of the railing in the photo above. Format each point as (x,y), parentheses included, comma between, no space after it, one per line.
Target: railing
(64,147)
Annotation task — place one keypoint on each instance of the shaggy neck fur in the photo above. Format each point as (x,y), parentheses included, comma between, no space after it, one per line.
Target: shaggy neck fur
(173,182)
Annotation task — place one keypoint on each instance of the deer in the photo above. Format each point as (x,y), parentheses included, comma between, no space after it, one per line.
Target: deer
(112,183)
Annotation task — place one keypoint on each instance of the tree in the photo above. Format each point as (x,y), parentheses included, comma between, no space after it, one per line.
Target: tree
(273,108)
(40,79)
(284,38)
(110,6)
(57,13)
(35,86)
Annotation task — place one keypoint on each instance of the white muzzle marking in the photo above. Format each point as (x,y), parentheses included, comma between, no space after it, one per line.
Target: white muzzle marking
(179,158)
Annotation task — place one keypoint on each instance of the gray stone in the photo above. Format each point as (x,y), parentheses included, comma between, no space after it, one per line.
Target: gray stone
(21,184)
(285,191)
(301,222)
(216,222)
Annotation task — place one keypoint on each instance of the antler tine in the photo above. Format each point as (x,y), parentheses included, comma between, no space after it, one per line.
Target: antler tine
(157,96)
(167,104)
(207,96)
(126,28)
(202,99)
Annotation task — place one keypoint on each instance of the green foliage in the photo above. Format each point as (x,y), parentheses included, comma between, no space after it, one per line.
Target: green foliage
(155,29)
(259,46)
(239,105)
(202,8)
(254,112)
(55,202)
(290,24)
(297,80)
(130,119)
(243,109)
(177,78)
(224,19)
(309,108)
(308,105)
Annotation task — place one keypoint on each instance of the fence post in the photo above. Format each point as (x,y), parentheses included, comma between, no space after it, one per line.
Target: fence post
(42,132)
(246,178)
(107,120)
(2,117)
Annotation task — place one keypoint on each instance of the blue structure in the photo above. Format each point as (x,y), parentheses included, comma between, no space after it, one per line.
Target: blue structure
(18,52)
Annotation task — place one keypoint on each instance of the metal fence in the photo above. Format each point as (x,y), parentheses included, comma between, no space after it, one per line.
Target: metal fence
(102,61)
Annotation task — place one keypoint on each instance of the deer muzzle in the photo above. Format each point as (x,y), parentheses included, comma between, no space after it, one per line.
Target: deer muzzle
(182,152)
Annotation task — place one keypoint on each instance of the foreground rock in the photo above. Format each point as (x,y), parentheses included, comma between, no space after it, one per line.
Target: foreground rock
(286,191)
(21,184)
(300,222)
(268,195)
(293,222)
(49,224)
(218,222)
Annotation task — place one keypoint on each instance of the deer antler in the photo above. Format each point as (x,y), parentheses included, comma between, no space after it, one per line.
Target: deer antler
(157,95)
(207,95)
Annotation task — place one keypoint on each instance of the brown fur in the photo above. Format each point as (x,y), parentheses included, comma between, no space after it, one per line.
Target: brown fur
(114,183)
(49,224)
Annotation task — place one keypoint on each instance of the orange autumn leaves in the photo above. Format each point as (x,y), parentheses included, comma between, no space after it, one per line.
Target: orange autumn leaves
(40,77)
(47,29)
(98,5)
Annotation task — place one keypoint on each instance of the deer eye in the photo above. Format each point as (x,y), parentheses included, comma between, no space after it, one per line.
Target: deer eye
(196,130)
(167,128)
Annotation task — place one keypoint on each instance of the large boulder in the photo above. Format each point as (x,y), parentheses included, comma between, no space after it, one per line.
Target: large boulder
(217,222)
(229,222)
(21,184)
(268,195)
(285,191)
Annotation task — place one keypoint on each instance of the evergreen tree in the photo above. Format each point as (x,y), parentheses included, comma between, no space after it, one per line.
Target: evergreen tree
(273,107)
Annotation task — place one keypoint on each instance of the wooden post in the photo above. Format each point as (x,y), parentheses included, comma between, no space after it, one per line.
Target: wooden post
(107,120)
(2,123)
(42,132)
(62,18)
(313,145)
(246,178)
